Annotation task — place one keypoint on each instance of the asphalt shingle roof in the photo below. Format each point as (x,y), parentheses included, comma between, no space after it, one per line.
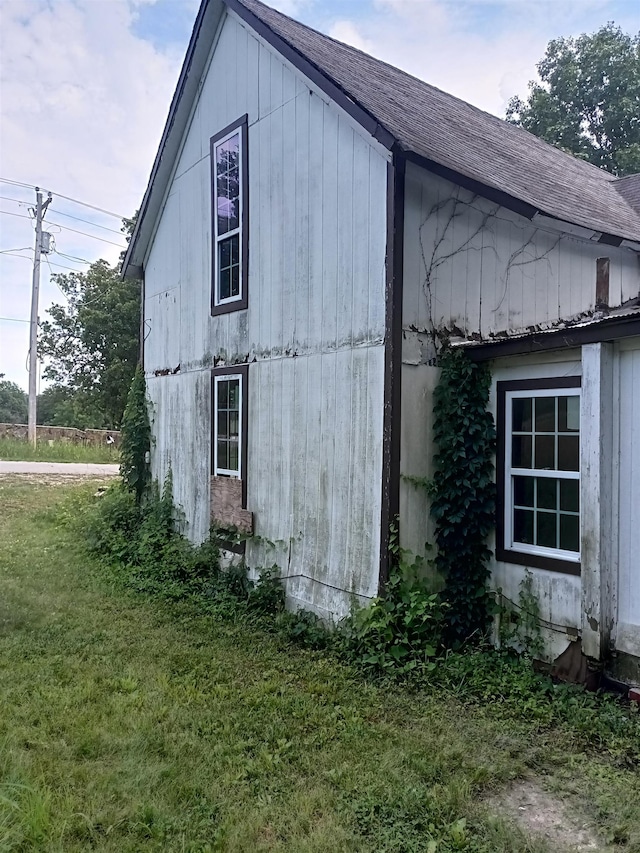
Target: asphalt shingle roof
(456,135)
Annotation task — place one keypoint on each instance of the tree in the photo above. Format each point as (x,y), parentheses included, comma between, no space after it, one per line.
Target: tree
(13,403)
(57,407)
(92,343)
(589,100)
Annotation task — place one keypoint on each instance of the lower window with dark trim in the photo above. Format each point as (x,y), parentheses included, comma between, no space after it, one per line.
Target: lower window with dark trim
(538,472)
(229,433)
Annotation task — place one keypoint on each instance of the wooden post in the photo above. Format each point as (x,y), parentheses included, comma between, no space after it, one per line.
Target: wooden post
(596,476)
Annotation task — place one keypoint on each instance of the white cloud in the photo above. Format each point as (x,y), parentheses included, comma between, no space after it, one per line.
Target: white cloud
(292,8)
(84,102)
(348,32)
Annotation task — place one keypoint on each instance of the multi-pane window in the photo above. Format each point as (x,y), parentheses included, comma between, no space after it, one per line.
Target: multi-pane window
(227,426)
(542,472)
(228,218)
(229,167)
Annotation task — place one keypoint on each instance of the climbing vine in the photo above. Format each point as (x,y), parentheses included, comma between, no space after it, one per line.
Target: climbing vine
(136,438)
(463,492)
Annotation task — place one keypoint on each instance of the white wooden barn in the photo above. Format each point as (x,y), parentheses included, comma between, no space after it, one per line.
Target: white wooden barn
(314,221)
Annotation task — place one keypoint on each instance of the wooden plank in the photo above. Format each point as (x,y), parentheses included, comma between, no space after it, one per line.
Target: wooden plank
(344,284)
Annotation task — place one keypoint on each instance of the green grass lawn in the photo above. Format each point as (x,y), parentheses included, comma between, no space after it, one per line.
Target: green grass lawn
(127,725)
(12,449)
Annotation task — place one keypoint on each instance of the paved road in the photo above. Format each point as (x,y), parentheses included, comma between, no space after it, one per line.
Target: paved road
(74,468)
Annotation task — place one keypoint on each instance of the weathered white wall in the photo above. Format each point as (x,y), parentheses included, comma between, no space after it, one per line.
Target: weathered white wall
(313,333)
(627,495)
(478,268)
(558,594)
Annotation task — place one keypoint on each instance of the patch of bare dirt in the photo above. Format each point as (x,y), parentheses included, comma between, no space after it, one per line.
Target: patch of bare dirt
(543,816)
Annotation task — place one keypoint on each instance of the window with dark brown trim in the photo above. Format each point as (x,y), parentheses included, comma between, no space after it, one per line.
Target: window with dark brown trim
(230,218)
(230,423)
(538,473)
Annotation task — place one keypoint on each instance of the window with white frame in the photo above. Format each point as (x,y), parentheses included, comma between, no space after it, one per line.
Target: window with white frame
(541,480)
(227,443)
(229,179)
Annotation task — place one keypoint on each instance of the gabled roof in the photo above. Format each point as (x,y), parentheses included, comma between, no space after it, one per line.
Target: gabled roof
(435,129)
(629,189)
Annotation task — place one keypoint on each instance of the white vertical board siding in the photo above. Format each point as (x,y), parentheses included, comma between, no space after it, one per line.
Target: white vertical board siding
(182,443)
(473,267)
(313,334)
(628,627)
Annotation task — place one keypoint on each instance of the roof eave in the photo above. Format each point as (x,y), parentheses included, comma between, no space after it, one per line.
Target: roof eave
(608,329)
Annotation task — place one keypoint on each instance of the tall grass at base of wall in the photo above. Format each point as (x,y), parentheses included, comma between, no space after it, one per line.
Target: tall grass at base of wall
(399,636)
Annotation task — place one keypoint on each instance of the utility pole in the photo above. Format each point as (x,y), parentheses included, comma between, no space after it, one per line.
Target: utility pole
(40,210)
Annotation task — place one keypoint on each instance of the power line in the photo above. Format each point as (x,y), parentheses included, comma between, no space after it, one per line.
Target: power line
(23,249)
(51,263)
(16,200)
(26,257)
(19,215)
(68,215)
(84,233)
(66,228)
(67,198)
(87,221)
(13,320)
(72,257)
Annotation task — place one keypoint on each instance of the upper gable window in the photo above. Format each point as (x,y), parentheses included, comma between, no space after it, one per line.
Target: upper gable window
(230,218)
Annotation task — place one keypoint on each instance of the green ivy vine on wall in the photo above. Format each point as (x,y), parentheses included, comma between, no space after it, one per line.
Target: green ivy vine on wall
(463,493)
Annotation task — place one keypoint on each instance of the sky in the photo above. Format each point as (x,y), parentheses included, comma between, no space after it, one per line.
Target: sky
(85,87)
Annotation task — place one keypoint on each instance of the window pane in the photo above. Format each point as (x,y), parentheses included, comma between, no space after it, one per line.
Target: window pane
(235,281)
(569,533)
(233,457)
(523,491)
(570,495)
(224,253)
(568,414)
(546,529)
(233,425)
(234,394)
(223,458)
(521,414)
(545,452)
(235,249)
(225,283)
(523,526)
(521,451)
(547,493)
(225,215)
(545,414)
(568,453)
(223,393)
(223,425)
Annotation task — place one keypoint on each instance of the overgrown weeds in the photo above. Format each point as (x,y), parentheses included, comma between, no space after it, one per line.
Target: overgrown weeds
(399,635)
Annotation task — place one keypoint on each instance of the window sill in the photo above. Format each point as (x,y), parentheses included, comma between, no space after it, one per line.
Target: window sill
(229,307)
(538,561)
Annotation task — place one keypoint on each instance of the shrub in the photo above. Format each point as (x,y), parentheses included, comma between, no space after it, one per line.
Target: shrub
(399,631)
